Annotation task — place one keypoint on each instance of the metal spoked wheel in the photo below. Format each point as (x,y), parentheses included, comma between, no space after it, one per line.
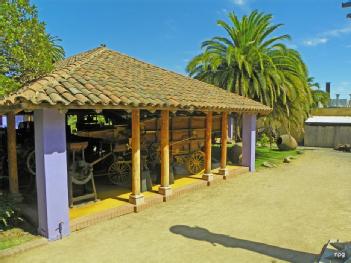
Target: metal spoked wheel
(196,162)
(81,172)
(119,172)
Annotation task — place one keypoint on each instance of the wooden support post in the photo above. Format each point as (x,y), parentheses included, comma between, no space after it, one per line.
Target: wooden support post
(12,155)
(224,139)
(51,173)
(208,176)
(136,197)
(249,141)
(165,188)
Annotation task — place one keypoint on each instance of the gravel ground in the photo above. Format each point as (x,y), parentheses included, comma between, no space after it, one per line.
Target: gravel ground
(284,214)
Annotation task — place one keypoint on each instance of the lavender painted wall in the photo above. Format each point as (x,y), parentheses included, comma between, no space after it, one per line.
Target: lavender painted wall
(249,141)
(230,127)
(51,173)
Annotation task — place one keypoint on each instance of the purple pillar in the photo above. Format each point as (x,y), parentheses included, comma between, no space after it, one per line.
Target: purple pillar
(51,173)
(249,141)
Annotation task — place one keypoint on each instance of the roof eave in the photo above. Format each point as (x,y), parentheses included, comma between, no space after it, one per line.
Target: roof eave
(25,106)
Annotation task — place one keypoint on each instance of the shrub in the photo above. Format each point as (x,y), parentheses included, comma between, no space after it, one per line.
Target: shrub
(264,140)
(9,214)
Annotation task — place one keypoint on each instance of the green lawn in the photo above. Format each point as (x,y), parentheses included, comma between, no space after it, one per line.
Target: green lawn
(274,156)
(263,154)
(14,237)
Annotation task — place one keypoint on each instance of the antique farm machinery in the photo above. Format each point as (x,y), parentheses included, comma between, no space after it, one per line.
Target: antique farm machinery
(99,145)
(108,152)
(25,138)
(91,153)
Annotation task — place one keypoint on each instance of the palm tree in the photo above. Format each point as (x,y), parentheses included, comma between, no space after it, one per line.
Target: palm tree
(312,83)
(253,63)
(319,97)
(56,51)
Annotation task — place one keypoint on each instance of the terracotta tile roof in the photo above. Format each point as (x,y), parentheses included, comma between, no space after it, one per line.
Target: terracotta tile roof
(108,78)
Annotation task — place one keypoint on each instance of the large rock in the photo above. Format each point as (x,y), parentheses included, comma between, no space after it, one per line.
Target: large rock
(343,147)
(269,165)
(286,143)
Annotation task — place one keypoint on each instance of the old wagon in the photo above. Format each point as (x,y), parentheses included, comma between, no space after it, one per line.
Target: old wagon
(99,145)
(108,150)
(187,139)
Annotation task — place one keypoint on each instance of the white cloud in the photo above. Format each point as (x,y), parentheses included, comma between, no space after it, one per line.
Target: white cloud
(240,2)
(316,41)
(244,5)
(338,32)
(327,35)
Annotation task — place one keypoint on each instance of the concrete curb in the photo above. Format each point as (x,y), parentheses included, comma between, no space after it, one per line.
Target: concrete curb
(23,247)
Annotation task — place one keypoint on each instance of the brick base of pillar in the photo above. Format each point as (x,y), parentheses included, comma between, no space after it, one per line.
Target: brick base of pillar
(136,199)
(166,191)
(224,172)
(208,177)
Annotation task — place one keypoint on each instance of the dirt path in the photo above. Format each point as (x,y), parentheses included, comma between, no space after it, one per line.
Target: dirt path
(283,214)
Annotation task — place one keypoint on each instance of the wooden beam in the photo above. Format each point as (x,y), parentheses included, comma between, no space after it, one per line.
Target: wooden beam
(136,197)
(224,139)
(208,176)
(12,153)
(165,188)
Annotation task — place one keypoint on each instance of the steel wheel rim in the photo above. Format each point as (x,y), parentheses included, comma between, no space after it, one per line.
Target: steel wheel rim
(83,176)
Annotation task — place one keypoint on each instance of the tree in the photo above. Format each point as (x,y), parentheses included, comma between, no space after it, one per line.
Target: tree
(319,97)
(312,83)
(27,52)
(251,62)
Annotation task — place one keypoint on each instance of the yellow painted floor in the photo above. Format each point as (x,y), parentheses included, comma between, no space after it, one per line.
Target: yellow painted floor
(108,198)
(111,196)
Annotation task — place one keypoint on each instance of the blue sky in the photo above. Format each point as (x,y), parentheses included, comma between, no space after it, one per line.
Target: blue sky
(168,33)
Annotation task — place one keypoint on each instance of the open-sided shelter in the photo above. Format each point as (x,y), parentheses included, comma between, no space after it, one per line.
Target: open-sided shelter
(102,79)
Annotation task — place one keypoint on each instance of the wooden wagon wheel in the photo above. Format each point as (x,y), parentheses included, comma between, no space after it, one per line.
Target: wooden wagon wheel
(25,175)
(196,162)
(153,157)
(119,172)
(30,162)
(3,165)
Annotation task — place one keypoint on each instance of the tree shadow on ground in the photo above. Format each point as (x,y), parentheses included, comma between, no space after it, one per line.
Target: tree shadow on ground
(203,234)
